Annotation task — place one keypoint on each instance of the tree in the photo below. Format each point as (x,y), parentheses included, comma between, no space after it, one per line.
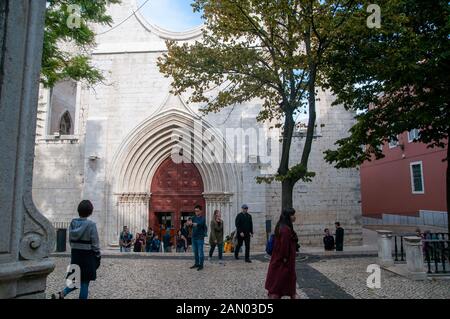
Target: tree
(402,71)
(68,39)
(264,49)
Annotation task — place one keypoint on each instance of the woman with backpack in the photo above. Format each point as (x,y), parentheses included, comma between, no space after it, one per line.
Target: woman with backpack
(281,278)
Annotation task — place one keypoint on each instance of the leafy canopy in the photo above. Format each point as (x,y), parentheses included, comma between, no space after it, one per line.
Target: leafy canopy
(402,71)
(259,49)
(66,51)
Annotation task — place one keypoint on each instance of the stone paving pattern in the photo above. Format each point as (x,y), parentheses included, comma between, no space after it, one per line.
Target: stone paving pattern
(143,278)
(138,277)
(350,275)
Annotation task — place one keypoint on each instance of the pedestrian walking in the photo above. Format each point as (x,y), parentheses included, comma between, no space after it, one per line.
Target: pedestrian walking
(244,230)
(85,250)
(199,232)
(216,235)
(281,278)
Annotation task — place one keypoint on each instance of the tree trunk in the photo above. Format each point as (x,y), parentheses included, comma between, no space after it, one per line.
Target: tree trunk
(287,188)
(287,185)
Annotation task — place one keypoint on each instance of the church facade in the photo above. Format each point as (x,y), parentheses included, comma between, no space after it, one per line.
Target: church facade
(145,157)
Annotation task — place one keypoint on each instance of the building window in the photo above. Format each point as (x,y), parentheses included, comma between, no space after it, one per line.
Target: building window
(65,125)
(393,143)
(62,108)
(417,184)
(413,135)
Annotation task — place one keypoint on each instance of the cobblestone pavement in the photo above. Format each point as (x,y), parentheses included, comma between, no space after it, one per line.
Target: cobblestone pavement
(137,278)
(350,276)
(340,277)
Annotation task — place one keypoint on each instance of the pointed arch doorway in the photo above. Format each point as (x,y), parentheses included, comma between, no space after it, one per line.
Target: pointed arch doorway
(175,190)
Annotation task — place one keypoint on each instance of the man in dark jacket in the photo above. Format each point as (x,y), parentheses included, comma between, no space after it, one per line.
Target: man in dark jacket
(339,237)
(199,231)
(244,230)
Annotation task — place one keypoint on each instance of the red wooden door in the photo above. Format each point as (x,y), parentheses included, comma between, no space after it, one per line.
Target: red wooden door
(175,189)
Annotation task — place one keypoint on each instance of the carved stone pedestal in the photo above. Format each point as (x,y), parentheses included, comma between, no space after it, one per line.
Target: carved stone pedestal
(385,248)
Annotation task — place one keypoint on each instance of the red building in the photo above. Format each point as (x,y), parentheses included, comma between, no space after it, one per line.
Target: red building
(409,179)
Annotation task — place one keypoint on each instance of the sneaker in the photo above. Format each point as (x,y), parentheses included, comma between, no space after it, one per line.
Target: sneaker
(199,268)
(248,261)
(195,266)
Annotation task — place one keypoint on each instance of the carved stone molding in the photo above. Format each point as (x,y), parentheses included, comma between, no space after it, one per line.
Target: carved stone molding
(133,197)
(38,233)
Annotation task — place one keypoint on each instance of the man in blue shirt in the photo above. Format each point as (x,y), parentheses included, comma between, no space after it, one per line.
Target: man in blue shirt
(198,237)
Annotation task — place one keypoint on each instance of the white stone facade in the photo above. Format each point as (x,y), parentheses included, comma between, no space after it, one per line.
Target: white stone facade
(123,132)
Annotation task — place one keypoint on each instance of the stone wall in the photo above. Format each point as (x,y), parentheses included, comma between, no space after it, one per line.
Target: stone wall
(113,115)
(333,195)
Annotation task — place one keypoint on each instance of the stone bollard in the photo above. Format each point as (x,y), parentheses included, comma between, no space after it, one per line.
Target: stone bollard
(385,248)
(414,258)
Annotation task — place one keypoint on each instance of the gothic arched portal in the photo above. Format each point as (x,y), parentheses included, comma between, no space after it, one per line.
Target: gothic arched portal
(176,189)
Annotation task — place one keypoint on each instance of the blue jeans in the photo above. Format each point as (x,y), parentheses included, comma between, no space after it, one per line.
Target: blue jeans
(84,290)
(219,247)
(197,247)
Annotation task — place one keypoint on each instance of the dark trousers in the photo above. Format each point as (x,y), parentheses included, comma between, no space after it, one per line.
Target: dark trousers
(339,246)
(219,247)
(245,239)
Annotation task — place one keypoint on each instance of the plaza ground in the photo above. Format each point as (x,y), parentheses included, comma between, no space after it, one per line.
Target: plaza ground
(335,276)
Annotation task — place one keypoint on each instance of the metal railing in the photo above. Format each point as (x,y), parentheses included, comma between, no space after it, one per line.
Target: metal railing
(437,255)
(427,239)
(399,251)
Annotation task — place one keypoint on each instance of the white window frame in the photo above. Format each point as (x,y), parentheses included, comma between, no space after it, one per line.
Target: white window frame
(397,143)
(412,177)
(410,140)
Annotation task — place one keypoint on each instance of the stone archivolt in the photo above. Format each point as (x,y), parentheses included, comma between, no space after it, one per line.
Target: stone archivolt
(143,152)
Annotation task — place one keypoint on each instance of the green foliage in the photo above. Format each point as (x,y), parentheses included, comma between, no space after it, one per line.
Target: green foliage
(402,71)
(295,173)
(264,49)
(66,51)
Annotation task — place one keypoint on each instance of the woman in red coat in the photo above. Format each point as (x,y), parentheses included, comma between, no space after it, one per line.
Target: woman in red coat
(281,278)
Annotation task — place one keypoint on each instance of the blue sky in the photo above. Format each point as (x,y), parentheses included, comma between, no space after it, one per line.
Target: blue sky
(173,15)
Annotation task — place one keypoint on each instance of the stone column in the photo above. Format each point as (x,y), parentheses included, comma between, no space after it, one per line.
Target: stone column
(26,237)
(414,258)
(385,248)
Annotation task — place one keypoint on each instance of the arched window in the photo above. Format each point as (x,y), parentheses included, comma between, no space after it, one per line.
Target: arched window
(65,124)
(61,118)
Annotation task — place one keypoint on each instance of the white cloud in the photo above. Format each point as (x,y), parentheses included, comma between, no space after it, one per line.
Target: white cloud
(173,15)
